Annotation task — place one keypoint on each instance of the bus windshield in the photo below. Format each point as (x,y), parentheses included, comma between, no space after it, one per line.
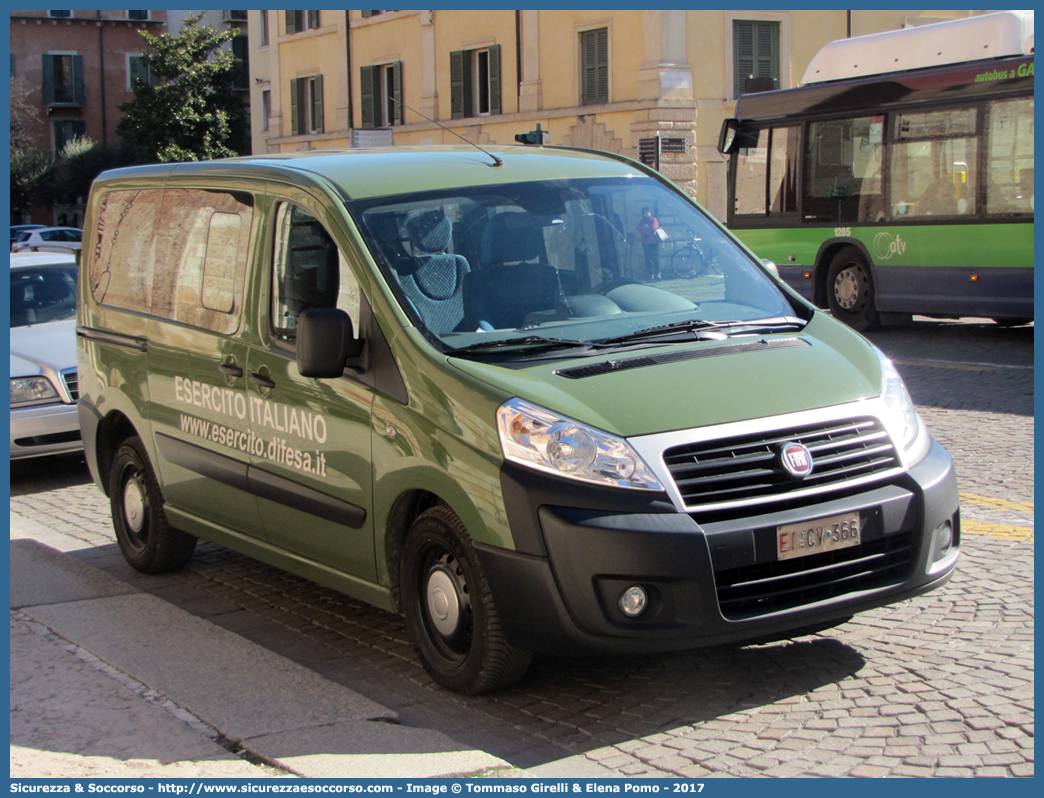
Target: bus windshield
(578,261)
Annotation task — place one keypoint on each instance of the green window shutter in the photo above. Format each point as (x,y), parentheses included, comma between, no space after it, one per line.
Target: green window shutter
(241,51)
(136,72)
(317,109)
(291,22)
(594,53)
(755,52)
(79,87)
(494,79)
(313,19)
(295,106)
(400,115)
(48,79)
(743,54)
(457,58)
(766,51)
(366,77)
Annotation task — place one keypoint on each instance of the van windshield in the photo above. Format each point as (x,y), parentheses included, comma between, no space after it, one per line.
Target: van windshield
(569,262)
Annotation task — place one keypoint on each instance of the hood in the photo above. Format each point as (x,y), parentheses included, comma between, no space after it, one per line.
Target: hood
(40,346)
(701,383)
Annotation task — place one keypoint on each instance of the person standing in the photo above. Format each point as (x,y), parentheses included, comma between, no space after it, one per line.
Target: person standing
(649,230)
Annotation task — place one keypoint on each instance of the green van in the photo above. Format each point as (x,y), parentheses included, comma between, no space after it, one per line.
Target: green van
(536,401)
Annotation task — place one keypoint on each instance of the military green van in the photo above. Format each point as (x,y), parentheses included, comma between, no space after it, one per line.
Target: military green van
(535,400)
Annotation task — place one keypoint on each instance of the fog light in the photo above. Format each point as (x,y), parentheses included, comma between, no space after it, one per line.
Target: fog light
(943,539)
(633,601)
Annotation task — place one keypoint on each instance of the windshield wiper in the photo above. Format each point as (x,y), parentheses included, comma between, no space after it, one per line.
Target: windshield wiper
(695,327)
(530,341)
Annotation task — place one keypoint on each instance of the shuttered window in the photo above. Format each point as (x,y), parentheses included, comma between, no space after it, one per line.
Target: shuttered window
(138,69)
(755,56)
(297,21)
(594,66)
(306,106)
(475,82)
(380,93)
(65,130)
(63,80)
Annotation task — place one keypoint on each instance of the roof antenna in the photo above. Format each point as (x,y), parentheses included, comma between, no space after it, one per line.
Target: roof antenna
(496,161)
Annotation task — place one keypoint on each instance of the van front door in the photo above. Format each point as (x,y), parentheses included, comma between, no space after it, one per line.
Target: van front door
(311,463)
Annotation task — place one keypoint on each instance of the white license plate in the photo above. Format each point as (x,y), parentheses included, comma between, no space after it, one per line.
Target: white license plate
(820,534)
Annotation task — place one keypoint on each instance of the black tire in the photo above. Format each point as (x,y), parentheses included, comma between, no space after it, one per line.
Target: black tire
(148,542)
(688,262)
(850,290)
(449,609)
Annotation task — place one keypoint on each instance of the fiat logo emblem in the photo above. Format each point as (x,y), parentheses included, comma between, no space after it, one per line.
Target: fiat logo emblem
(796,459)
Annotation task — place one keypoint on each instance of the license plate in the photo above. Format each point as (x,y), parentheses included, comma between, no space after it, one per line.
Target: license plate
(818,535)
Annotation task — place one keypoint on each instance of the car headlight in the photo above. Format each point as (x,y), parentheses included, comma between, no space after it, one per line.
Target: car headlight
(905,421)
(538,438)
(26,390)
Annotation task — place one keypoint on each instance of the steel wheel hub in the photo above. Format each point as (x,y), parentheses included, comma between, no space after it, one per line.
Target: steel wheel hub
(847,288)
(134,504)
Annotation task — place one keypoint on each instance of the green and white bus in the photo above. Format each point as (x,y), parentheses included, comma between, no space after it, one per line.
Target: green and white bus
(898,178)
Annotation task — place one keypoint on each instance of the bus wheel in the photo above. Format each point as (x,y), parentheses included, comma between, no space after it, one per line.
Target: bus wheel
(449,609)
(850,290)
(148,542)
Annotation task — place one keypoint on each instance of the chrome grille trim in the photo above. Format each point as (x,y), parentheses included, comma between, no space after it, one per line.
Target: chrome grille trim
(877,460)
(71,381)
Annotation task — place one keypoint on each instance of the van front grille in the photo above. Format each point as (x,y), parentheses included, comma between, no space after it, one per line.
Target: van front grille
(756,590)
(748,470)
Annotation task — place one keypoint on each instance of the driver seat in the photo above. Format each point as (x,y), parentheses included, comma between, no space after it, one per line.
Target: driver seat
(515,280)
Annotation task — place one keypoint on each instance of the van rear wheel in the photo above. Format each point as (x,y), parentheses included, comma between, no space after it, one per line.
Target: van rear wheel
(148,542)
(449,609)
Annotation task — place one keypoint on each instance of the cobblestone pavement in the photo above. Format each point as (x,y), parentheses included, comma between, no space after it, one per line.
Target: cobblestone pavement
(938,686)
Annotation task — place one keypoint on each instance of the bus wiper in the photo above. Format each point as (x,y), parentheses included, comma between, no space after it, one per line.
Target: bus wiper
(530,341)
(697,326)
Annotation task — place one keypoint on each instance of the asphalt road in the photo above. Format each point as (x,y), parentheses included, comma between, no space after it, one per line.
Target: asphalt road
(941,685)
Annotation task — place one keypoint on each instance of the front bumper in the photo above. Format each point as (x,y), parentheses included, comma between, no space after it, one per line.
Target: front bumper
(707,583)
(44,430)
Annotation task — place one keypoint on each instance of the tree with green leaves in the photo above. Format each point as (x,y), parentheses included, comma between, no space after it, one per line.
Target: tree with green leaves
(32,181)
(193,113)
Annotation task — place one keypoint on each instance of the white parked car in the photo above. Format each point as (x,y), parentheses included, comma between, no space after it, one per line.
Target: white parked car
(49,239)
(44,391)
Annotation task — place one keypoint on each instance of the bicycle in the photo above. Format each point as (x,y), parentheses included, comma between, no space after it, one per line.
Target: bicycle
(688,261)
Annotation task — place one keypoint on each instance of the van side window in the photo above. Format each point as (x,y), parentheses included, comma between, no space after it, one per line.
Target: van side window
(309,271)
(201,258)
(121,269)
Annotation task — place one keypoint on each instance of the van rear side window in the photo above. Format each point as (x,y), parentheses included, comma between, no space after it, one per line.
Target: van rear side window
(188,267)
(121,272)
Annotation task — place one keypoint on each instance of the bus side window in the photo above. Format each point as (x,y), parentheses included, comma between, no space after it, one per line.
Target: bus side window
(843,171)
(1009,153)
(933,164)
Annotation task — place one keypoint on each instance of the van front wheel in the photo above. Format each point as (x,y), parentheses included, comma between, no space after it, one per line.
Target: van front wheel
(148,542)
(449,609)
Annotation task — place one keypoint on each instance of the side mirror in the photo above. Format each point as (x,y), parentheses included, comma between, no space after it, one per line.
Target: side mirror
(772,267)
(325,339)
(734,135)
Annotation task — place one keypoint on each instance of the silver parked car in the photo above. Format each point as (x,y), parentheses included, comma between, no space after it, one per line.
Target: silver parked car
(43,355)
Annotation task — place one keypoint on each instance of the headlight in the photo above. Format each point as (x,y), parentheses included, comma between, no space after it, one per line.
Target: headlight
(538,438)
(25,390)
(905,421)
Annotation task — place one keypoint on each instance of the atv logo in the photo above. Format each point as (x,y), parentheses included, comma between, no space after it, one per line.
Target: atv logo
(885,246)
